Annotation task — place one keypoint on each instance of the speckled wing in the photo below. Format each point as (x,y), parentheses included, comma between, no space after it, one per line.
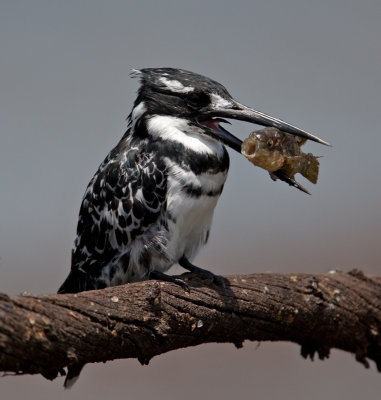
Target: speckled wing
(125,198)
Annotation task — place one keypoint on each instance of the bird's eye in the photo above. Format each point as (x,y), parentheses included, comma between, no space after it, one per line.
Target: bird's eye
(270,143)
(197,100)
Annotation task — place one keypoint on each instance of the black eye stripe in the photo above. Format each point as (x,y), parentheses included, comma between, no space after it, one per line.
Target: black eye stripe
(193,96)
(197,99)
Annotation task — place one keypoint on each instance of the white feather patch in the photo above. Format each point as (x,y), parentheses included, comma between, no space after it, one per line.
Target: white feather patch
(138,111)
(178,130)
(175,85)
(208,182)
(220,102)
(193,220)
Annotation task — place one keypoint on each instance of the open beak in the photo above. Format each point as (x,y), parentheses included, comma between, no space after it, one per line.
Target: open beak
(240,112)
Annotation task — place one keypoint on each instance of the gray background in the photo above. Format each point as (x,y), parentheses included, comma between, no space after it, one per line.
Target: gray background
(64,96)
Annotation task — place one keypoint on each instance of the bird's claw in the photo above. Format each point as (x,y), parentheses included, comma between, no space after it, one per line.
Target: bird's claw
(210,276)
(217,280)
(182,283)
(168,278)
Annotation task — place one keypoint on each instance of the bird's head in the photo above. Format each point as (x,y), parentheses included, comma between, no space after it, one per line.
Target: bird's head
(202,103)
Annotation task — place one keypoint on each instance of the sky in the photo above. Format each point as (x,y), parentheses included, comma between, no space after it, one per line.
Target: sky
(65,93)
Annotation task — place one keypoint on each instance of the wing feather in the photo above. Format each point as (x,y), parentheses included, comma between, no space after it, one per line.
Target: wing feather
(125,198)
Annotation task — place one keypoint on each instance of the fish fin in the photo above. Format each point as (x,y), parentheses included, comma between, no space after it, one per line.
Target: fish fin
(310,168)
(288,179)
(300,140)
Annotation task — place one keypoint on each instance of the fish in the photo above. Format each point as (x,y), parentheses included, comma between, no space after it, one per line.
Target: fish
(280,154)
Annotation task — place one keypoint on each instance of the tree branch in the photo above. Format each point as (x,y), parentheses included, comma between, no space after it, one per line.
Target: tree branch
(45,333)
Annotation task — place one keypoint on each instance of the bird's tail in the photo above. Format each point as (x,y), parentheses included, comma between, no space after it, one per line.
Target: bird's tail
(72,375)
(74,283)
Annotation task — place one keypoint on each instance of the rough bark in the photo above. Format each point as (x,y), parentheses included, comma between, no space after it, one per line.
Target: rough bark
(45,333)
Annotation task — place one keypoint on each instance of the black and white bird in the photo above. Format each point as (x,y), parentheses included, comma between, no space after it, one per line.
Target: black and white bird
(150,204)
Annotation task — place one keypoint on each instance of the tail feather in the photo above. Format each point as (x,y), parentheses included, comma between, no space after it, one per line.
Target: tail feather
(72,376)
(74,283)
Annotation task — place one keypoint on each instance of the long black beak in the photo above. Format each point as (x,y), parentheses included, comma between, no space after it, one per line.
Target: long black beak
(240,112)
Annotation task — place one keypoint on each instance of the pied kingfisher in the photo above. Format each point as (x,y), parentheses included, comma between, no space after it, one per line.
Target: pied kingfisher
(150,204)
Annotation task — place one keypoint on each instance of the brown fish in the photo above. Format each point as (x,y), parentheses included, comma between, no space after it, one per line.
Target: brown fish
(280,153)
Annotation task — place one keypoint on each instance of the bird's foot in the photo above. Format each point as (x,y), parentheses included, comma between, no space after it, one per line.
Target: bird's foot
(168,278)
(186,264)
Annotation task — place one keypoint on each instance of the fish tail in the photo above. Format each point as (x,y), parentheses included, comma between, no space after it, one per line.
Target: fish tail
(310,168)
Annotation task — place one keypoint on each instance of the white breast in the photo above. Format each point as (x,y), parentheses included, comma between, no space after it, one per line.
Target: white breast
(191,215)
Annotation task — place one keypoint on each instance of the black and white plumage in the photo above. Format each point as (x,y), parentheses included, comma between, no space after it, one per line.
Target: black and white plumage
(150,204)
